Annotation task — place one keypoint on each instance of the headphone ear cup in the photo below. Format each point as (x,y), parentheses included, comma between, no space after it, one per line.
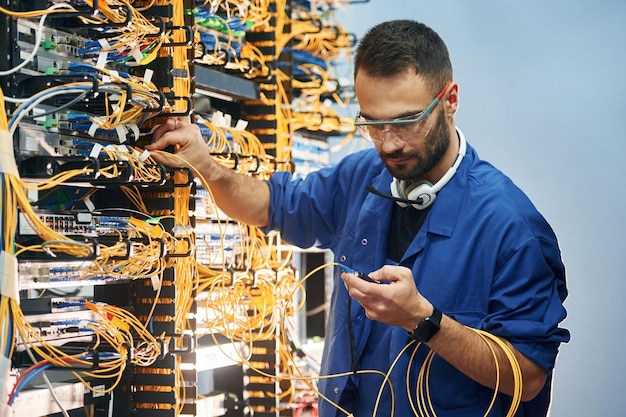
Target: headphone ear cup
(397,190)
(422,193)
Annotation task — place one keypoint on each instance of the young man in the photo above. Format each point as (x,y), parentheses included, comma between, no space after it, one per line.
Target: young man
(454,247)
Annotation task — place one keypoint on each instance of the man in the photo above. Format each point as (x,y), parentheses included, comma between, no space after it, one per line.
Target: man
(452,244)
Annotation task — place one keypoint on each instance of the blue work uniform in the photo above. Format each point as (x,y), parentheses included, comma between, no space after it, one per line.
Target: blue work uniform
(484,256)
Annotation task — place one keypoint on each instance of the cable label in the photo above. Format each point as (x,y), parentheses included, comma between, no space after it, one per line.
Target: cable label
(7,159)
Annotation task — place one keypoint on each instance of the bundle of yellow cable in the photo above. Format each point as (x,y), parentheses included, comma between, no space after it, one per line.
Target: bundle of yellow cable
(284,129)
(256,11)
(280,307)
(319,117)
(186,279)
(246,142)
(136,35)
(114,332)
(319,84)
(330,42)
(257,65)
(123,110)
(9,295)
(145,169)
(421,402)
(129,328)
(57,242)
(148,349)
(217,142)
(120,109)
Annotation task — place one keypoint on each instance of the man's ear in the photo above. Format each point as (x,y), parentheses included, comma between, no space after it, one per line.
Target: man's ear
(451,100)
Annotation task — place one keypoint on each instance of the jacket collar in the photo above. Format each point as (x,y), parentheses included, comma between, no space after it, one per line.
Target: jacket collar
(446,208)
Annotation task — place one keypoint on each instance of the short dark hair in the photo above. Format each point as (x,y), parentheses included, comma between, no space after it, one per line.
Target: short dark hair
(392,47)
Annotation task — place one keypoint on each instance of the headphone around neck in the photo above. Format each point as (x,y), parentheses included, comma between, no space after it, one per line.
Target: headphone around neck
(422,194)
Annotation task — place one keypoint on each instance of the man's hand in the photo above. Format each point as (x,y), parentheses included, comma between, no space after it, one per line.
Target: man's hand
(396,301)
(190,146)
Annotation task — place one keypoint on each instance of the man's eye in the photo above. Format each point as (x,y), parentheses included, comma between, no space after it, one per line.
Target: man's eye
(403,127)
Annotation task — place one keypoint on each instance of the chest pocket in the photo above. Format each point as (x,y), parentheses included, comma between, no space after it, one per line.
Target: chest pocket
(454,286)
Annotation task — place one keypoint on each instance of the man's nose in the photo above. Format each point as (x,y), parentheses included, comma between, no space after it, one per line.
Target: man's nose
(390,141)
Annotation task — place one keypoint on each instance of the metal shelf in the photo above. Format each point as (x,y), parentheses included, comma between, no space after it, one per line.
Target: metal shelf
(225,86)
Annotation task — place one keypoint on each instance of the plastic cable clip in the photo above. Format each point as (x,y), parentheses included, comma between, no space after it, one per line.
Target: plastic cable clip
(9,282)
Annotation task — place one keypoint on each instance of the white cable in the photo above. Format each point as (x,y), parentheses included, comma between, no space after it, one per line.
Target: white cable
(48,383)
(38,37)
(15,100)
(24,110)
(111,404)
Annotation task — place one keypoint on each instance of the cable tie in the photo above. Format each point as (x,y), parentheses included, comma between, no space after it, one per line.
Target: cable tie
(121,132)
(227,119)
(135,129)
(104,44)
(156,282)
(9,282)
(137,55)
(7,159)
(121,152)
(95,151)
(144,155)
(102,60)
(147,75)
(241,125)
(88,203)
(92,129)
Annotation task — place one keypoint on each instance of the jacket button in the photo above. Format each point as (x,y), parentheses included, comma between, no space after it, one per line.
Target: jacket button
(336,390)
(342,258)
(363,242)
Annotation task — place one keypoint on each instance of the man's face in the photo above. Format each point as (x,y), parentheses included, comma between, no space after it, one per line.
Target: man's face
(419,156)
(409,151)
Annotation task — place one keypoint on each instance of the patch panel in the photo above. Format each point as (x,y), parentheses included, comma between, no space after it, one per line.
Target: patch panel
(40,274)
(38,401)
(218,244)
(46,305)
(58,328)
(77,223)
(55,51)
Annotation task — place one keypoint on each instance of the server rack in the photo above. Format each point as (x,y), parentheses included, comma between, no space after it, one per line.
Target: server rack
(111,277)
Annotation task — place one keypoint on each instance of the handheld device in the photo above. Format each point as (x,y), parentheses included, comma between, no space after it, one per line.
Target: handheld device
(359,274)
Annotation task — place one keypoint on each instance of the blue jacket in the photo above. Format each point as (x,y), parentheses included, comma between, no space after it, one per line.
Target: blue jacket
(484,256)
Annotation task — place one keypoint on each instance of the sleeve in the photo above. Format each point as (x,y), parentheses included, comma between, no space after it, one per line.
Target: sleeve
(306,211)
(526,302)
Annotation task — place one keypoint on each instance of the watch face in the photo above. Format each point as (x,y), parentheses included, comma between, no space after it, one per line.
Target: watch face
(427,328)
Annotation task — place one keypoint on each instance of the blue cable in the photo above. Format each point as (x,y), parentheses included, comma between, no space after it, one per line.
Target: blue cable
(42,94)
(26,380)
(28,377)
(54,91)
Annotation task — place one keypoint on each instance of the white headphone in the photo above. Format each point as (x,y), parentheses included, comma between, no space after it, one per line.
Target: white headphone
(422,194)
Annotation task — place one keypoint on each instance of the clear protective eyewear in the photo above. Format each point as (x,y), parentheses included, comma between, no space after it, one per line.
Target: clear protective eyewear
(402,129)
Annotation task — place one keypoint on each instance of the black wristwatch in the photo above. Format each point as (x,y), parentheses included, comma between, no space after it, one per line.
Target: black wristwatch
(428,327)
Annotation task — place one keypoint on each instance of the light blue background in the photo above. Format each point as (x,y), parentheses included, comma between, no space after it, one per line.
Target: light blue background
(543,97)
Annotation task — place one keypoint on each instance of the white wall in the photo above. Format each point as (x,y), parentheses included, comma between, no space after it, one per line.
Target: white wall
(543,97)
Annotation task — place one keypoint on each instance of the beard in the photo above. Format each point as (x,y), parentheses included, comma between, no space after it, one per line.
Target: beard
(435,145)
